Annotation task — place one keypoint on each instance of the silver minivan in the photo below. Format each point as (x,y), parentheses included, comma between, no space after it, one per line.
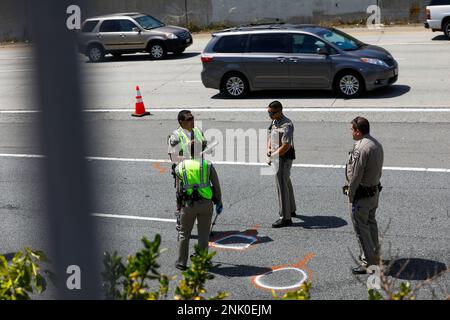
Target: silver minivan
(239,60)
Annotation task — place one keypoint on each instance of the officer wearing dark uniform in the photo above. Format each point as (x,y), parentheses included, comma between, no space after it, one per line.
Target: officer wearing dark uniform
(363,173)
(281,152)
(198,187)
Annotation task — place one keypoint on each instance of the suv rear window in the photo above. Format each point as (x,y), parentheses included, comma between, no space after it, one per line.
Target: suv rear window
(231,44)
(110,26)
(273,42)
(88,26)
(440,3)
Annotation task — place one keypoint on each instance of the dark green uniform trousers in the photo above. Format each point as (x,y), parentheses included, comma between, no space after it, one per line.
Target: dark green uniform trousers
(366,228)
(202,211)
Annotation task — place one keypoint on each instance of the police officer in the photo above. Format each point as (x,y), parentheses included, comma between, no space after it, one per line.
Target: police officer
(281,152)
(180,139)
(199,187)
(363,173)
(179,143)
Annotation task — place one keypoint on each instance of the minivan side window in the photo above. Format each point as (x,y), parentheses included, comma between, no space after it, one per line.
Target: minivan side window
(440,3)
(88,26)
(109,26)
(304,43)
(270,42)
(231,44)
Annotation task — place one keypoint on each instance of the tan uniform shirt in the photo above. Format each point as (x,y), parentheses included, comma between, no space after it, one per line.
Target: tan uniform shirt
(281,131)
(364,165)
(174,147)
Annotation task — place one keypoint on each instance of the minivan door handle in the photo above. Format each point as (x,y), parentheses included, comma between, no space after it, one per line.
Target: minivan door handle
(294,60)
(281,59)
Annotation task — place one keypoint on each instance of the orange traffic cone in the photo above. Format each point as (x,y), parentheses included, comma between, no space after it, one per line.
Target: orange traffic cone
(139,108)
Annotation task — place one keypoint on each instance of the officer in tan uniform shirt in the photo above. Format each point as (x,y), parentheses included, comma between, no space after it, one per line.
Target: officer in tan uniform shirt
(280,149)
(197,201)
(363,173)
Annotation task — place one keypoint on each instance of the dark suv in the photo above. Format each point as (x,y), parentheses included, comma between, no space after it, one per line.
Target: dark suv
(283,56)
(129,33)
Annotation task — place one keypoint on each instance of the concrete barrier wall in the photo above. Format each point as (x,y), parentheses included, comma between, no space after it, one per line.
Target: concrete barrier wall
(15,25)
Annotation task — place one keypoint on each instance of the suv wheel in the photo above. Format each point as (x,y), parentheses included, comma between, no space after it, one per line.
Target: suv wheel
(95,53)
(349,85)
(157,50)
(235,86)
(447,29)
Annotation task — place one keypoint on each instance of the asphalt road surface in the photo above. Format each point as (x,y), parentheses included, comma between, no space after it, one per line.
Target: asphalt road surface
(133,189)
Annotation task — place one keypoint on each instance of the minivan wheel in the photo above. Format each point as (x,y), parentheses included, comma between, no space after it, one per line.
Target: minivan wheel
(349,85)
(235,86)
(157,51)
(95,53)
(447,29)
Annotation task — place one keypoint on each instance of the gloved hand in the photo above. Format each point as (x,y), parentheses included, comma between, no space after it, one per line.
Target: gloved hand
(345,190)
(219,208)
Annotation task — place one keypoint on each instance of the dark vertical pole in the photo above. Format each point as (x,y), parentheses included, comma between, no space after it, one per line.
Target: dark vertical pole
(67,181)
(186,13)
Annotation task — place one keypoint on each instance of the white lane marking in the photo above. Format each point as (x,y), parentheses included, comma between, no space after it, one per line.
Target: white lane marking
(17,58)
(115,216)
(19,111)
(192,81)
(16,70)
(259,164)
(262,110)
(7,155)
(411,43)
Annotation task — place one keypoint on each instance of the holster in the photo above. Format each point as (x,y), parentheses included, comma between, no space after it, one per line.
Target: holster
(188,199)
(290,154)
(367,192)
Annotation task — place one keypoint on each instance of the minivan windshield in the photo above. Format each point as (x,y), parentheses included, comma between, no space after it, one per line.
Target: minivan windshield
(148,22)
(340,39)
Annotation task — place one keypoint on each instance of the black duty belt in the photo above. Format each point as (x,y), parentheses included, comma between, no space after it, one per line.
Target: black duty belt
(367,192)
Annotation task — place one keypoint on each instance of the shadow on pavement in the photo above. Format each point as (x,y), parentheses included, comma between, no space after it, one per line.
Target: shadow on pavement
(235,270)
(440,38)
(381,93)
(415,269)
(145,57)
(319,222)
(217,235)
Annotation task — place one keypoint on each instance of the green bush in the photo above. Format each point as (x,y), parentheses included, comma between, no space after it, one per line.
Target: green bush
(301,294)
(193,284)
(130,280)
(21,278)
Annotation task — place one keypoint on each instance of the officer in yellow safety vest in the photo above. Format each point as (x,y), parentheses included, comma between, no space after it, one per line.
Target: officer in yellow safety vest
(179,143)
(198,188)
(181,138)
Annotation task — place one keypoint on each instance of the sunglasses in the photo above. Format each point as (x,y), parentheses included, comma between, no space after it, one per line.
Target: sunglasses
(189,119)
(272,113)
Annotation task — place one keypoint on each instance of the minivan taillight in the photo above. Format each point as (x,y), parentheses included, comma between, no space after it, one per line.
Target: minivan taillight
(428,14)
(207,59)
